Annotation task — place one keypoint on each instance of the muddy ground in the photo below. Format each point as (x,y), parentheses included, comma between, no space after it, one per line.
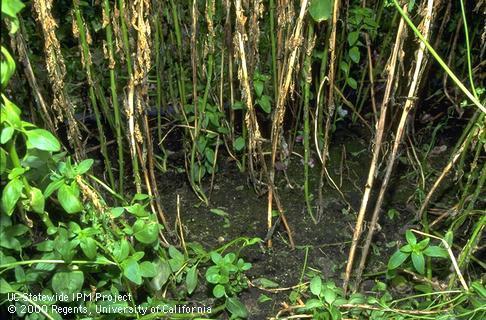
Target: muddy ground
(327,241)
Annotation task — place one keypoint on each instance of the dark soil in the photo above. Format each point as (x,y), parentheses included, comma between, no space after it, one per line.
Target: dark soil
(327,241)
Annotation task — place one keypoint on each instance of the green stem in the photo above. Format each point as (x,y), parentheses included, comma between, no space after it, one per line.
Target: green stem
(94,104)
(14,157)
(468,50)
(307,79)
(444,66)
(114,99)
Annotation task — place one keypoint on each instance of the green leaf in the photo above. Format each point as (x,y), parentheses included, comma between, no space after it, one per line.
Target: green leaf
(11,194)
(406,248)
(265,283)
(239,144)
(397,259)
(411,239)
(121,250)
(209,153)
(10,112)
(7,67)
(418,262)
(145,232)
(423,244)
(16,172)
(68,198)
(236,308)
(5,287)
(191,279)
(354,54)
(219,212)
(176,254)
(88,245)
(84,166)
(117,211)
(264,102)
(131,270)
(352,83)
(37,200)
(258,85)
(12,7)
(42,139)
(320,10)
(316,285)
(53,186)
(147,269)
(353,37)
(329,295)
(163,273)
(436,251)
(219,291)
(68,282)
(6,135)
(264,298)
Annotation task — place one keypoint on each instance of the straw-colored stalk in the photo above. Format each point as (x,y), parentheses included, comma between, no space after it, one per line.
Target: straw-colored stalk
(294,43)
(421,61)
(376,150)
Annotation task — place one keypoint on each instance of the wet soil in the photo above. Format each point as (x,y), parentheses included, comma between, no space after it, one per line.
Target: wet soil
(327,242)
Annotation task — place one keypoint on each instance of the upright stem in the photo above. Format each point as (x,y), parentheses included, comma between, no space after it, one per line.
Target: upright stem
(307,79)
(114,98)
(89,74)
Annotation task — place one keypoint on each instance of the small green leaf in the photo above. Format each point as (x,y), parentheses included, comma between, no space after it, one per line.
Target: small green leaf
(147,269)
(264,298)
(236,308)
(131,270)
(84,166)
(397,259)
(353,37)
(42,139)
(117,211)
(7,67)
(191,279)
(121,250)
(320,10)
(411,239)
(88,245)
(37,200)
(5,287)
(11,194)
(406,248)
(265,283)
(316,285)
(163,273)
(68,282)
(258,85)
(145,232)
(423,244)
(239,144)
(219,291)
(68,198)
(6,135)
(53,186)
(352,83)
(435,251)
(264,102)
(418,262)
(209,153)
(12,7)
(354,54)
(329,295)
